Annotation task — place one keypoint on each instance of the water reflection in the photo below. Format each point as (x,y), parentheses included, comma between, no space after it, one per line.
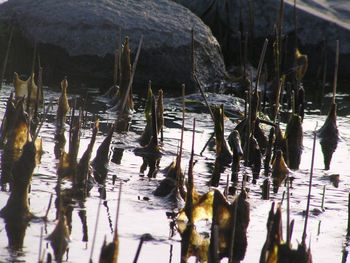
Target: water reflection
(16,230)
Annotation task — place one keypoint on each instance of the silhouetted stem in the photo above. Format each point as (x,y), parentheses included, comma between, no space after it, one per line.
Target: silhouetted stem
(95,231)
(195,75)
(206,144)
(117,214)
(310,186)
(336,71)
(288,212)
(348,234)
(323,196)
(261,62)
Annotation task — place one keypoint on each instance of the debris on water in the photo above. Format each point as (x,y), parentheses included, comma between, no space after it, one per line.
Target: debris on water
(334,178)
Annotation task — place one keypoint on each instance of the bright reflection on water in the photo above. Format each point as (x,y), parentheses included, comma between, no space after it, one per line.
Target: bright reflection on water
(326,231)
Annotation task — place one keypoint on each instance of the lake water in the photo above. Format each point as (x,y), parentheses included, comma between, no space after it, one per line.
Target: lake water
(142,212)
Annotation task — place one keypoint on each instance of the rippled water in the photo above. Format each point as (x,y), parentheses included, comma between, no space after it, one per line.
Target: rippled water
(142,212)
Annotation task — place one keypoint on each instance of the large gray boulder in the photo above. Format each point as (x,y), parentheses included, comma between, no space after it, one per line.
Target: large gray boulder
(316,21)
(82,36)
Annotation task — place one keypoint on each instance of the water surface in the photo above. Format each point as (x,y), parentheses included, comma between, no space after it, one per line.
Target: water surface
(142,212)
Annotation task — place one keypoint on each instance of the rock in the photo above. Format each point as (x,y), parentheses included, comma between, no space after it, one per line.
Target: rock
(79,38)
(315,22)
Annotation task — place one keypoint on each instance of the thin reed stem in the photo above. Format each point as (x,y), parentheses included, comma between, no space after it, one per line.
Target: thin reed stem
(310,186)
(95,230)
(336,71)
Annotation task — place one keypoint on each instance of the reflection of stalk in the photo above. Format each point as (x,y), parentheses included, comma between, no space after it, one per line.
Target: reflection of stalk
(109,252)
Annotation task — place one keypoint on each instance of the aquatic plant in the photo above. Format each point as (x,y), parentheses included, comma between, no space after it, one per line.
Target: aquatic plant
(17,132)
(125,74)
(254,158)
(232,221)
(169,183)
(279,170)
(151,152)
(17,206)
(301,61)
(328,133)
(294,137)
(8,120)
(124,94)
(67,164)
(274,249)
(268,152)
(59,238)
(100,162)
(63,106)
(83,175)
(25,88)
(147,132)
(329,136)
(280,144)
(16,212)
(259,135)
(223,155)
(234,141)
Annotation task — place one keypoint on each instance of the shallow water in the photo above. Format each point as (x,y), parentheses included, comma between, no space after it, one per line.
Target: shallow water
(142,212)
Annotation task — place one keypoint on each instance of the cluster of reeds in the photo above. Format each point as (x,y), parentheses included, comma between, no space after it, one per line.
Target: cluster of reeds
(22,149)
(276,154)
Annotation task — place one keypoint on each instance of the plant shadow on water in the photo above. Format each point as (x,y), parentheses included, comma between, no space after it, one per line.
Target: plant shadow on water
(142,212)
